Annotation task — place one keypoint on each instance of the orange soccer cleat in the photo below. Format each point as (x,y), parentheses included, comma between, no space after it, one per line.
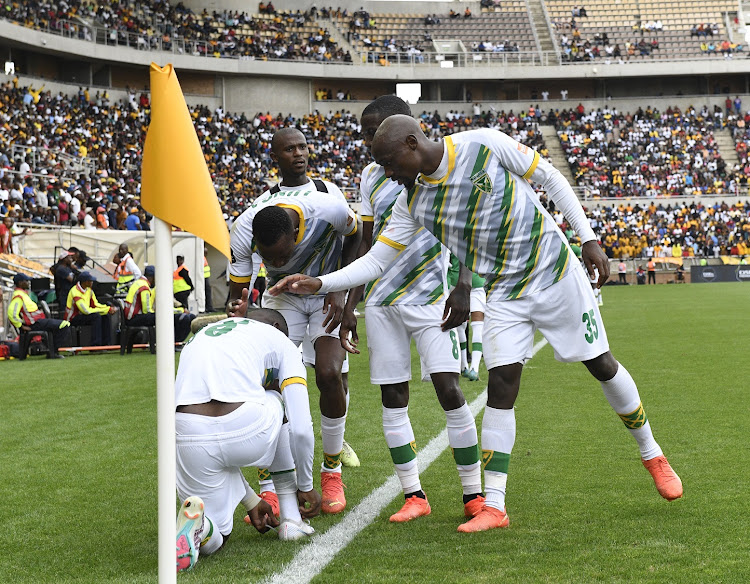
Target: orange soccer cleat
(413,507)
(473,507)
(332,488)
(488,518)
(666,480)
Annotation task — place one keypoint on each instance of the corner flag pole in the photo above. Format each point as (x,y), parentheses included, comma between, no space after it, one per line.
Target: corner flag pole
(176,188)
(165,402)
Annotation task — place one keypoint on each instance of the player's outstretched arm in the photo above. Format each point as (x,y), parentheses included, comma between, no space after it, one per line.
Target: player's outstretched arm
(296,284)
(309,503)
(594,257)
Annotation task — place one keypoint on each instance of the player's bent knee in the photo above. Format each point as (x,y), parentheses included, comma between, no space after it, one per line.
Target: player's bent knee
(604,367)
(328,379)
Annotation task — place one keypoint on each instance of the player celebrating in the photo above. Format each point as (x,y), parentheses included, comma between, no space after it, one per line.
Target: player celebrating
(470,190)
(409,301)
(298,227)
(226,420)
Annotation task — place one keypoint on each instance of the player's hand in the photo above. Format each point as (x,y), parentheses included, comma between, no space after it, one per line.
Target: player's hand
(333,308)
(309,503)
(594,257)
(238,307)
(348,332)
(296,284)
(262,517)
(457,307)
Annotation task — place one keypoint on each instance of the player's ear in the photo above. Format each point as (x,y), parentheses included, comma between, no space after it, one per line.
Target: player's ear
(411,141)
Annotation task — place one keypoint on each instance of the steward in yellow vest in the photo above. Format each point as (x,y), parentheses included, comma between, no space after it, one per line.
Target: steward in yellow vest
(25,315)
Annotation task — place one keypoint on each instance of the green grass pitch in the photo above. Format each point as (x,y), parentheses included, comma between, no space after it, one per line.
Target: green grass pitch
(78,471)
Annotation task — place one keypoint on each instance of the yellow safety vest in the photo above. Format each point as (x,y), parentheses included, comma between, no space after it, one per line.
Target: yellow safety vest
(83,301)
(178,282)
(124,277)
(206,269)
(137,289)
(22,310)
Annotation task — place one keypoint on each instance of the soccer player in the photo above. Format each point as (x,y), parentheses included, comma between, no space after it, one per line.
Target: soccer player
(410,300)
(301,225)
(471,191)
(226,420)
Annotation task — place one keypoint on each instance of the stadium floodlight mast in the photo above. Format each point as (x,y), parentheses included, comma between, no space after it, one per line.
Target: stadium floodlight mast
(177,190)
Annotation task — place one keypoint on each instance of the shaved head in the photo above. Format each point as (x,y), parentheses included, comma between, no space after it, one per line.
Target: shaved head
(403,150)
(285,135)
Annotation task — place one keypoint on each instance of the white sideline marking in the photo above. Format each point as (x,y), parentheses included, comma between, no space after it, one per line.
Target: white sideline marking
(313,558)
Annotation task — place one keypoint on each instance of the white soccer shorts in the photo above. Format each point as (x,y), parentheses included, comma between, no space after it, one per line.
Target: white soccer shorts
(478,300)
(303,315)
(566,313)
(389,333)
(308,355)
(212,450)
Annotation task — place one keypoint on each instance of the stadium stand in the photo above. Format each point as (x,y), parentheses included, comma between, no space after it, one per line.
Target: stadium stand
(153,25)
(43,131)
(647,153)
(643,29)
(658,230)
(506,29)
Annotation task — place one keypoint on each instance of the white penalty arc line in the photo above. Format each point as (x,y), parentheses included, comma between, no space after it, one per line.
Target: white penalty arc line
(313,558)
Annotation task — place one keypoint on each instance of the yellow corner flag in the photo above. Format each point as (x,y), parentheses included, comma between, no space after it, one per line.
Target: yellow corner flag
(176,185)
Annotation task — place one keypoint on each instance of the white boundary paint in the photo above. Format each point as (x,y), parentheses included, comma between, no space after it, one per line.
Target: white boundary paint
(313,558)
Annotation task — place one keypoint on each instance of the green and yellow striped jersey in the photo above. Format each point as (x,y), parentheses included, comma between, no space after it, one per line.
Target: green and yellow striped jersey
(479,204)
(417,275)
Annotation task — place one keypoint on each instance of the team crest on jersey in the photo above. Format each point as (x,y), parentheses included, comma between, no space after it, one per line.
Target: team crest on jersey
(482,181)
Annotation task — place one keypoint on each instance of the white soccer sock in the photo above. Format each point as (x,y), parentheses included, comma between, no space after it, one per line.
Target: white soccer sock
(462,344)
(399,437)
(264,481)
(286,489)
(462,437)
(498,437)
(348,393)
(477,326)
(211,539)
(622,394)
(332,431)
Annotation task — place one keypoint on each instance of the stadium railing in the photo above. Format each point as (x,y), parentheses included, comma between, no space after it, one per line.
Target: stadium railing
(469,59)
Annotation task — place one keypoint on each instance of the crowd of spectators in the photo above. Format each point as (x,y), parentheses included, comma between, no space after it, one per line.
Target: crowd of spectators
(648,153)
(488,46)
(36,133)
(656,230)
(612,154)
(150,24)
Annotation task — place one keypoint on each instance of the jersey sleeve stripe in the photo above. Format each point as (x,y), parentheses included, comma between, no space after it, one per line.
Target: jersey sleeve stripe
(292,380)
(391,243)
(533,166)
(240,279)
(369,218)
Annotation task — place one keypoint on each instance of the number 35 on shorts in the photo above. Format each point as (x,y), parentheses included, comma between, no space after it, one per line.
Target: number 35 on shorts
(592,329)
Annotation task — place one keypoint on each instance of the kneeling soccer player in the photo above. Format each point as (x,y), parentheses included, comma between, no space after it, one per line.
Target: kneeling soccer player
(226,420)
